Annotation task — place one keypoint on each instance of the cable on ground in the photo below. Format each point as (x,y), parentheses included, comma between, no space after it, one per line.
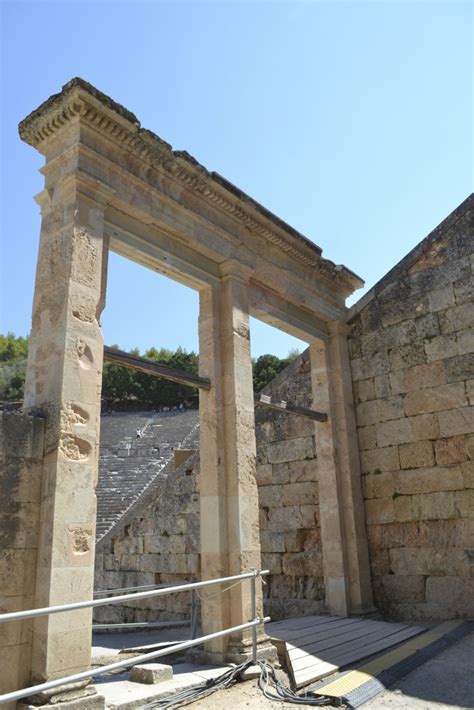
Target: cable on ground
(268,682)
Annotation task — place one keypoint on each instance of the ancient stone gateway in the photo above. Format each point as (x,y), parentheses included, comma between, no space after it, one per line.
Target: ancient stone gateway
(112,185)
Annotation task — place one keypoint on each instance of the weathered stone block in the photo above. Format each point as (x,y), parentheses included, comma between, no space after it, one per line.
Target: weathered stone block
(292,518)
(300,471)
(291,450)
(364,368)
(281,472)
(470,391)
(300,493)
(416,454)
(449,451)
(295,540)
(270,496)
(465,340)
(409,588)
(460,367)
(379,410)
(465,503)
(367,438)
(272,541)
(400,431)
(456,421)
(429,561)
(429,375)
(151,673)
(299,564)
(429,480)
(379,510)
(432,506)
(379,562)
(404,307)
(435,399)
(382,386)
(378,460)
(407,356)
(445,591)
(403,508)
(441,298)
(457,318)
(441,347)
(379,485)
(364,390)
(464,287)
(263,474)
(272,562)
(467,469)
(422,533)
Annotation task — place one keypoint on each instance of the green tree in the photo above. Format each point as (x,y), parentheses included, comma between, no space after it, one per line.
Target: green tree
(265,368)
(13,348)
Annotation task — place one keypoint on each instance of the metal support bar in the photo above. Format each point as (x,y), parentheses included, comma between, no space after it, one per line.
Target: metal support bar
(29,613)
(149,367)
(143,625)
(194,614)
(281,406)
(144,587)
(32,690)
(253,591)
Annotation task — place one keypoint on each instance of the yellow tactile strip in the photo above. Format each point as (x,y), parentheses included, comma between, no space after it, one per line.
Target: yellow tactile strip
(354,679)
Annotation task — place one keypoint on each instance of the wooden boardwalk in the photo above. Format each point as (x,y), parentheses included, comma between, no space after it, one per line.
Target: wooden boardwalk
(316,646)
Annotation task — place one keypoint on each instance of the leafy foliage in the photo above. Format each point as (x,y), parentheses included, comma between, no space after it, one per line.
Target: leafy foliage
(12,348)
(266,367)
(123,388)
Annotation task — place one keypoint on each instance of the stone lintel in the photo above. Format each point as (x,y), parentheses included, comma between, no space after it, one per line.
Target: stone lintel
(79,101)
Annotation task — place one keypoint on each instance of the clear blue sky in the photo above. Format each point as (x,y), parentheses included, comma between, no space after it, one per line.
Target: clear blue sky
(352,121)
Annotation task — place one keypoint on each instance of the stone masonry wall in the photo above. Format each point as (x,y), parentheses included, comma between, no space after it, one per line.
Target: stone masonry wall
(289,501)
(157,542)
(21,457)
(412,359)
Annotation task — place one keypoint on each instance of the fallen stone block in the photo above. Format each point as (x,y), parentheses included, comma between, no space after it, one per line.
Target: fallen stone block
(151,673)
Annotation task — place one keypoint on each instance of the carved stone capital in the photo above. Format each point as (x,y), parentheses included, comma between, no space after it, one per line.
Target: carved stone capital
(236,269)
(339,327)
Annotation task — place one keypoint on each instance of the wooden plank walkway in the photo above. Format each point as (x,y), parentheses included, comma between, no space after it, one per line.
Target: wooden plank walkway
(316,646)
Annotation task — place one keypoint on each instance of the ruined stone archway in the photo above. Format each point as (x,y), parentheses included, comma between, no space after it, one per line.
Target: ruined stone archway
(110,184)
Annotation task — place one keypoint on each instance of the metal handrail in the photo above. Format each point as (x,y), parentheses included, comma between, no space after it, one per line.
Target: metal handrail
(144,587)
(45,611)
(27,614)
(32,690)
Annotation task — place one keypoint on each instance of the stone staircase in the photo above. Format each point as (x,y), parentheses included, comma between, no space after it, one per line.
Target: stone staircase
(128,466)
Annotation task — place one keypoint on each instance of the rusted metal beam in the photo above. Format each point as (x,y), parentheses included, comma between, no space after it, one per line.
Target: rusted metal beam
(118,357)
(149,367)
(282,406)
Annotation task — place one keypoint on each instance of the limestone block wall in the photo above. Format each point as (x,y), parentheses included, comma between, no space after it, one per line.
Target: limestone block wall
(287,480)
(412,359)
(157,542)
(21,456)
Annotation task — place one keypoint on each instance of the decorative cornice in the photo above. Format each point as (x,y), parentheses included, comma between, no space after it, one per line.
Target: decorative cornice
(80,100)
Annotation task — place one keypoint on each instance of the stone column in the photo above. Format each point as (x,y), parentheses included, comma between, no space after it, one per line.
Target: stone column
(344,539)
(230,540)
(64,377)
(352,503)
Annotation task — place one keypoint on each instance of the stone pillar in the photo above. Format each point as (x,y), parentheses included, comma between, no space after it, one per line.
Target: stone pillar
(344,539)
(230,540)
(64,377)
